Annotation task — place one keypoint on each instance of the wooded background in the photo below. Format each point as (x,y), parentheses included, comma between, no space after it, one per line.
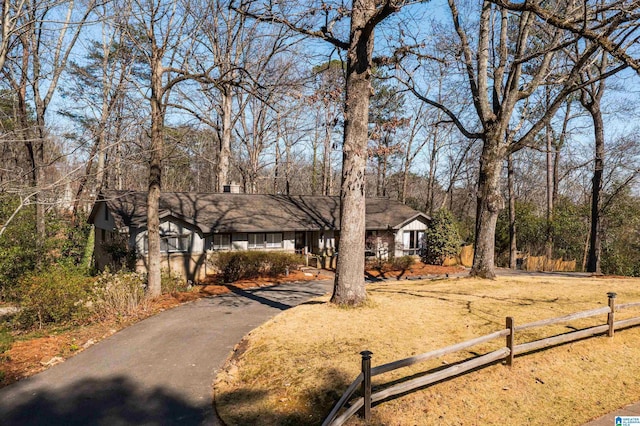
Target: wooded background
(520,119)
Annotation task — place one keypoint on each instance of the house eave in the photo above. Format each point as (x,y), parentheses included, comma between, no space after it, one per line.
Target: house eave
(411,219)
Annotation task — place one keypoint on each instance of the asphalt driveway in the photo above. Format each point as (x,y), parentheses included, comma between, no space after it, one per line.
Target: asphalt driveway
(157,372)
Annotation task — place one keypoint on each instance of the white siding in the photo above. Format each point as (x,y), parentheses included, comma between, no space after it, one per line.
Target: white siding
(239,242)
(330,240)
(138,235)
(102,222)
(326,242)
(289,241)
(419,224)
(416,225)
(197,243)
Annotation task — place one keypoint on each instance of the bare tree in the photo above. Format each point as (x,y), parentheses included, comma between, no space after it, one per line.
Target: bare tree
(502,78)
(98,89)
(328,95)
(48,33)
(591,100)
(365,15)
(612,25)
(12,15)
(411,151)
(162,32)
(225,44)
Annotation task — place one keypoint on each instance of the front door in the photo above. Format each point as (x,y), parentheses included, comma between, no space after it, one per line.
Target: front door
(301,242)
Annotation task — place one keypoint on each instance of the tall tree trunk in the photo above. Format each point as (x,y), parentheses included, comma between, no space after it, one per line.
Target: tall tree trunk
(26,130)
(287,168)
(405,175)
(155,174)
(490,202)
(349,286)
(585,253)
(550,192)
(383,177)
(513,244)
(326,156)
(593,262)
(431,182)
(118,180)
(83,182)
(41,228)
(222,172)
(276,170)
(591,97)
(379,178)
(314,167)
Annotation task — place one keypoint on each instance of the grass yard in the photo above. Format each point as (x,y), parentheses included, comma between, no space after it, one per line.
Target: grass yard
(293,368)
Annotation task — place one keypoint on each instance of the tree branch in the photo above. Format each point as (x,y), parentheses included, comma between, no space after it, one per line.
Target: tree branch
(324,33)
(447,111)
(568,24)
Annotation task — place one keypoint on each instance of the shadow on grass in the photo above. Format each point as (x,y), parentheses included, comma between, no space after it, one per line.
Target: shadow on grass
(446,296)
(372,278)
(115,401)
(424,373)
(313,302)
(377,388)
(250,406)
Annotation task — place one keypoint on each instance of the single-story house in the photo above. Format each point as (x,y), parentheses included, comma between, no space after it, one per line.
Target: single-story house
(194,224)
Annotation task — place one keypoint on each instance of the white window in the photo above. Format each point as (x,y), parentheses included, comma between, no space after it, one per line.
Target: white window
(274,240)
(262,241)
(173,239)
(171,243)
(221,242)
(413,242)
(256,241)
(175,243)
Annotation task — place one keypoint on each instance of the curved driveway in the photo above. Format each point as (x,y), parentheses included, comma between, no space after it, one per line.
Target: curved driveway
(157,372)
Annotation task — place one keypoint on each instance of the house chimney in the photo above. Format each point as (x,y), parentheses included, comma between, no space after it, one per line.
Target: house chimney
(232,188)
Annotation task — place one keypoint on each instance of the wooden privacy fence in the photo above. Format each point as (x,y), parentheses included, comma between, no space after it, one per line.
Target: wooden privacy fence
(543,263)
(506,353)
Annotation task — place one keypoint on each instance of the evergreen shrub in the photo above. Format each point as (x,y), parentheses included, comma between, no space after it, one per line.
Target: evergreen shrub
(237,265)
(441,238)
(171,282)
(403,263)
(60,294)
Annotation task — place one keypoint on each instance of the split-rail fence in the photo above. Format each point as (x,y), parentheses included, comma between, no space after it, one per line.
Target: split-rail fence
(507,353)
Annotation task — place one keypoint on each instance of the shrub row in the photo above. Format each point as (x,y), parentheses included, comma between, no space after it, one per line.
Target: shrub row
(63,294)
(119,294)
(239,265)
(401,263)
(59,294)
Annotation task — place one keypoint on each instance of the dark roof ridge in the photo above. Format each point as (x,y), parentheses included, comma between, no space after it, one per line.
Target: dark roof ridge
(233,212)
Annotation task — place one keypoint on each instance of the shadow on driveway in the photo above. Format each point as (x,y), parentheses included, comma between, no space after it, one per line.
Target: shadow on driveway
(249,294)
(281,297)
(116,401)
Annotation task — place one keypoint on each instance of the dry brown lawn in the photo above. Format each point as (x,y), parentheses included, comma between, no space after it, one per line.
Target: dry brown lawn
(293,368)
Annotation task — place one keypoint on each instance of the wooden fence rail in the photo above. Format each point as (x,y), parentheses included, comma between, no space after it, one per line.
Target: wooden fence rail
(507,353)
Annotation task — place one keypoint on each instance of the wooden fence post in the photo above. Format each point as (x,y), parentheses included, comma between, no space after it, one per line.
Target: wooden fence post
(611,315)
(510,340)
(366,384)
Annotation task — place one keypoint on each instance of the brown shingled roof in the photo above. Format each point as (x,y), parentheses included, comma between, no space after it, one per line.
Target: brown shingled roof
(225,212)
